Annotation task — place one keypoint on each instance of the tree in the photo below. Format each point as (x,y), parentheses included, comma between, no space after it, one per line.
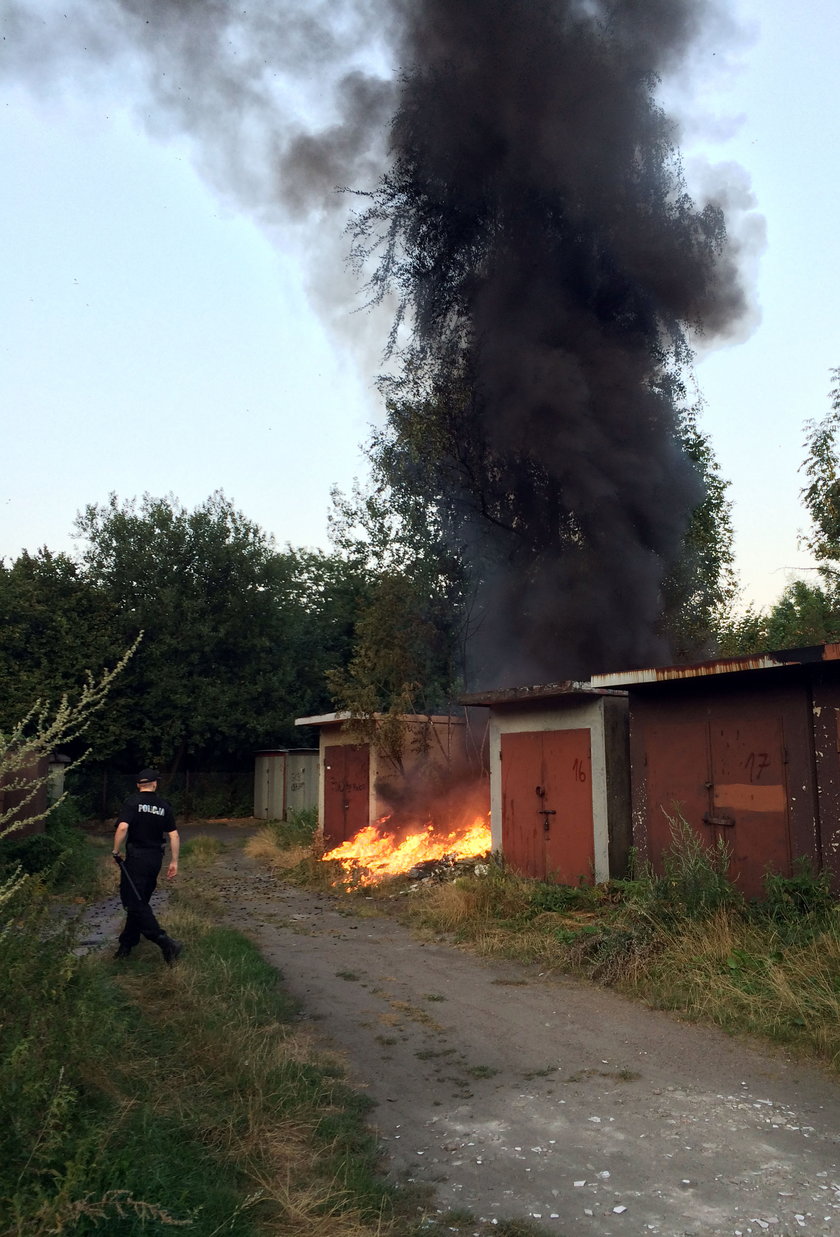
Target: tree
(821,494)
(808,612)
(232,649)
(702,585)
(54,628)
(805,614)
(407,654)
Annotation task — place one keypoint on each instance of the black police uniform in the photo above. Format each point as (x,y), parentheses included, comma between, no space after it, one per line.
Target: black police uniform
(150,820)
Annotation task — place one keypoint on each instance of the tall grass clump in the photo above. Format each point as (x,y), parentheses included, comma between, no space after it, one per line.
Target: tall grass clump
(288,844)
(695,879)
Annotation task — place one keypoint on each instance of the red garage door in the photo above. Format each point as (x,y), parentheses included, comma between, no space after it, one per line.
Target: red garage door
(727,778)
(346,792)
(547,828)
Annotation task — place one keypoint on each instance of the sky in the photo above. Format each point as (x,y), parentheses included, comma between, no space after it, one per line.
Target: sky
(155,337)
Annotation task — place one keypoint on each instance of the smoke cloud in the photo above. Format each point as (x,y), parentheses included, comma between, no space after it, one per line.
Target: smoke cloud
(536,225)
(576,269)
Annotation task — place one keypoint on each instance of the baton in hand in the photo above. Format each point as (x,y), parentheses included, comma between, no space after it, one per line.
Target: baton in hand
(120,862)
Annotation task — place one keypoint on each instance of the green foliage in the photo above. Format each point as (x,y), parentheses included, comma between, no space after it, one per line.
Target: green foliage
(804,614)
(65,814)
(703,582)
(695,881)
(805,894)
(53,628)
(36,852)
(239,638)
(205,587)
(407,630)
(298,829)
(555,897)
(821,493)
(808,611)
(61,856)
(741,632)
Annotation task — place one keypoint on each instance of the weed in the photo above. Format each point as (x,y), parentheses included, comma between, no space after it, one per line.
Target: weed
(201,850)
(298,829)
(696,876)
(481,1071)
(350,976)
(790,898)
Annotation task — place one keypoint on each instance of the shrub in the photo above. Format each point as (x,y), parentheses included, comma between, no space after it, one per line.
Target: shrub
(35,853)
(806,893)
(298,829)
(695,880)
(67,814)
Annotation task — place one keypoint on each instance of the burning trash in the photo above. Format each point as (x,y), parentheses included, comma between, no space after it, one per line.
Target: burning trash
(378,851)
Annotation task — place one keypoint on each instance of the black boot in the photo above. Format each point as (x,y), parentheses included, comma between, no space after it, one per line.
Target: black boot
(169,948)
(123,951)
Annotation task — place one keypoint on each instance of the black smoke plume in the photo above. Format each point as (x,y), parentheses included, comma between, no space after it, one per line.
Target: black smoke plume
(550,267)
(529,215)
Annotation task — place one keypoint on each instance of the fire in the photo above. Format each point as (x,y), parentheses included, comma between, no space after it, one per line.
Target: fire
(386,854)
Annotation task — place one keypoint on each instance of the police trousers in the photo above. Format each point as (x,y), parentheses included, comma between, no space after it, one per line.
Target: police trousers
(142,864)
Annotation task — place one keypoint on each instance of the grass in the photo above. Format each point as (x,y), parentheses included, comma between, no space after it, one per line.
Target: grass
(140,1099)
(286,844)
(202,850)
(144,1098)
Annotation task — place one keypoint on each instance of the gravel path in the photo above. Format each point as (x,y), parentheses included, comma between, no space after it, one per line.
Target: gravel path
(517,1094)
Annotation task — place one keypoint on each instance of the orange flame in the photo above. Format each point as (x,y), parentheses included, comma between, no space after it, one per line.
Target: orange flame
(385,854)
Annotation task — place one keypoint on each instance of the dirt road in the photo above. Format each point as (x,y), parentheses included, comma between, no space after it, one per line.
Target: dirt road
(521,1095)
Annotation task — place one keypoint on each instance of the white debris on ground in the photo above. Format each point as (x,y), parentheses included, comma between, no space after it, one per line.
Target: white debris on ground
(468,1149)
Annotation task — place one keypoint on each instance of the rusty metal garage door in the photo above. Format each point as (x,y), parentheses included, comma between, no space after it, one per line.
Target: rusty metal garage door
(728,778)
(547,829)
(346,792)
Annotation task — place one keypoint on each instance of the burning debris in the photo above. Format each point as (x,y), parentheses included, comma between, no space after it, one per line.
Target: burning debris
(376,853)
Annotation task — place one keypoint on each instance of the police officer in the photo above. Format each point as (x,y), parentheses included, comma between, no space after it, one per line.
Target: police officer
(145,822)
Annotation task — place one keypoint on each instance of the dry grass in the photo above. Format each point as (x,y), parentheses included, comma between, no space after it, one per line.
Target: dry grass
(462,905)
(738,975)
(202,850)
(260,1089)
(267,847)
